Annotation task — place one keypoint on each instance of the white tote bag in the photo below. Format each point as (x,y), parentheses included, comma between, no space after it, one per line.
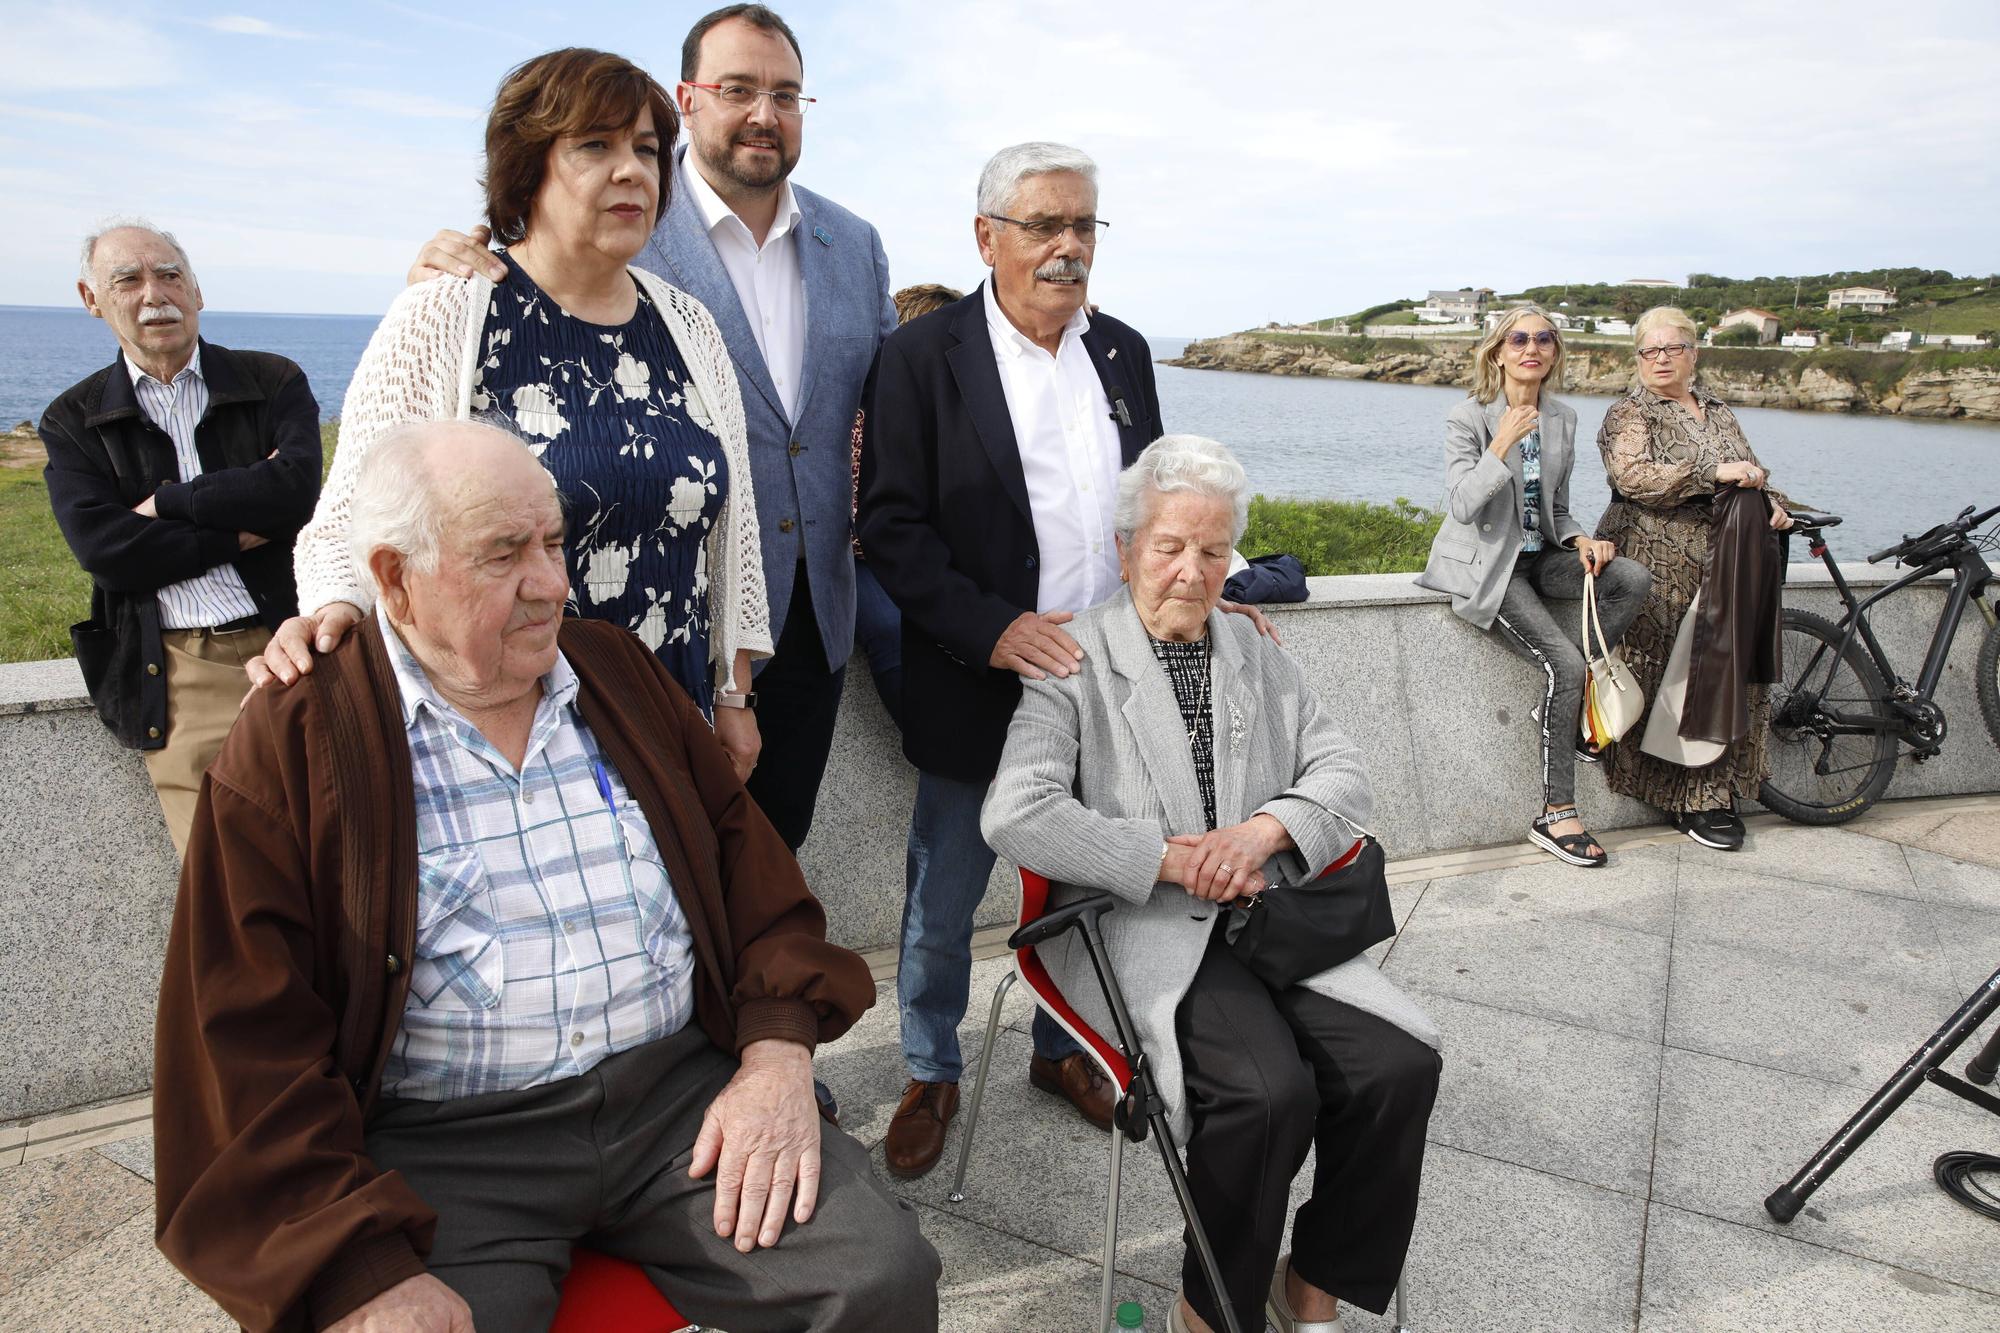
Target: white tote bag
(1611,696)
(1663,738)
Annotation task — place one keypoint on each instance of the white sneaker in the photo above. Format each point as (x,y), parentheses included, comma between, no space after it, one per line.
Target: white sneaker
(1280,1310)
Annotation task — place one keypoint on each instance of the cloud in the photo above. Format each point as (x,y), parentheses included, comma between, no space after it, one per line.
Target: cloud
(417,106)
(76,49)
(242,25)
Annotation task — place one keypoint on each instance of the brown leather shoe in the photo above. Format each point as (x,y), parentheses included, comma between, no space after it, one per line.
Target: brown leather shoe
(916,1134)
(1077,1080)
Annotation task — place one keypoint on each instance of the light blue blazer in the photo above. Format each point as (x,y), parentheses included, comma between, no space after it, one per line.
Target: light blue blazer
(1473,554)
(801,468)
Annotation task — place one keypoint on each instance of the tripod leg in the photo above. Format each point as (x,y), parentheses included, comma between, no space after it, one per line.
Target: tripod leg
(1178,1177)
(1985,1064)
(1785,1201)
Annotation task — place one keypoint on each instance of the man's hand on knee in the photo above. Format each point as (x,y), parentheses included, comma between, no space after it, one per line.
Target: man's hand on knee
(419,1304)
(761,1138)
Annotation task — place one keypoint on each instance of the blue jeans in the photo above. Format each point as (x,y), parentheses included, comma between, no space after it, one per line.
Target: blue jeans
(946,872)
(878,636)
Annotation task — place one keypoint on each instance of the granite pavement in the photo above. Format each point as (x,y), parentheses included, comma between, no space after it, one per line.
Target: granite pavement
(1634,1058)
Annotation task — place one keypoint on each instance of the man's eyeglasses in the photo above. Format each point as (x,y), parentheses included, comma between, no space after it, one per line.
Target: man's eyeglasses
(1043,230)
(1664,350)
(1519,339)
(742,97)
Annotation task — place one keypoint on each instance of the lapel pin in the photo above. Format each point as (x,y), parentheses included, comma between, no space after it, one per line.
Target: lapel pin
(1111,355)
(819,234)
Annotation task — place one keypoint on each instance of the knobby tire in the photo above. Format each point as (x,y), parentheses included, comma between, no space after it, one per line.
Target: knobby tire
(1860,766)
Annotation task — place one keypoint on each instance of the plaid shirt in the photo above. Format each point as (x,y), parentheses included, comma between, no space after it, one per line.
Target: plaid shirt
(548,934)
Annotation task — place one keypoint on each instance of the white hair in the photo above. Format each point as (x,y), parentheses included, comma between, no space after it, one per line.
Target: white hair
(1182,463)
(88,254)
(1006,169)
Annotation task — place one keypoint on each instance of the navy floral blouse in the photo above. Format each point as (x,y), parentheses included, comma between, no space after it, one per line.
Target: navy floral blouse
(613,415)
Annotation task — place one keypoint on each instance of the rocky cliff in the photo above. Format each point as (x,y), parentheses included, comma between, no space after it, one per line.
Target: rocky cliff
(1833,380)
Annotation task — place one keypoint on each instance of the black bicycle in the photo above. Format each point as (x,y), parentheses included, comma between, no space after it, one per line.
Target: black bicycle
(1841,711)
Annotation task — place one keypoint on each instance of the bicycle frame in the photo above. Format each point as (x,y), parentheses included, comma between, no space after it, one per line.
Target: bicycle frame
(1969,579)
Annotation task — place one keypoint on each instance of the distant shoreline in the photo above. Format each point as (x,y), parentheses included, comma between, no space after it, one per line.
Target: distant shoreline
(1947,385)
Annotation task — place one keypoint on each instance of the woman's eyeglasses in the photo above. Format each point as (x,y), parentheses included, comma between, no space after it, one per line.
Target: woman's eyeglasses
(1544,339)
(1665,350)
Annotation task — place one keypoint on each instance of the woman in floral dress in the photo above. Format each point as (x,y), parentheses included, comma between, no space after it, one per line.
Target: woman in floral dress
(1667,446)
(618,381)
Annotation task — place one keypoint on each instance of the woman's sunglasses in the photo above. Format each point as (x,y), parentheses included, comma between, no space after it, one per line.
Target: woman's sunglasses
(1517,339)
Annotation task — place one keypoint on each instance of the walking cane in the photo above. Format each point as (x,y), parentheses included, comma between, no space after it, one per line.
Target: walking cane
(1141,1107)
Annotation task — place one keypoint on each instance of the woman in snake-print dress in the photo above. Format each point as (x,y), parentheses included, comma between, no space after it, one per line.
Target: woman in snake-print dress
(1667,446)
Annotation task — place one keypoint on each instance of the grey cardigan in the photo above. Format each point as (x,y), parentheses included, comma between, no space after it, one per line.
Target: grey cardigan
(1097,772)
(1473,554)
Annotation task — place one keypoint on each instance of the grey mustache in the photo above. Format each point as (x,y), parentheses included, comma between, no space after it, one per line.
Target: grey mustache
(161,314)
(1064,267)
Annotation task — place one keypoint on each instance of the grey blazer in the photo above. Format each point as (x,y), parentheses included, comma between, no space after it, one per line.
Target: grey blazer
(801,470)
(1097,773)
(1473,554)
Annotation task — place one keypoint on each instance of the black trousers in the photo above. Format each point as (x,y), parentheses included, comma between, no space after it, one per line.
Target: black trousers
(1270,1074)
(798,701)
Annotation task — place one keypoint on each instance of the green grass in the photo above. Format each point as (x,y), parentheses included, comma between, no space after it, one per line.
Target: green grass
(42,590)
(1342,536)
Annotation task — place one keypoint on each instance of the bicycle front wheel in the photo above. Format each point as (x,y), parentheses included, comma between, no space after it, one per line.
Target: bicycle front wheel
(1820,775)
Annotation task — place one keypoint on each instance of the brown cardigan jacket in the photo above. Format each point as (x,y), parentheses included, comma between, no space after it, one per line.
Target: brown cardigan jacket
(285,970)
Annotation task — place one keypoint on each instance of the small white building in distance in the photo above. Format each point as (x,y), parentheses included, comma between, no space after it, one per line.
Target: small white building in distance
(1647,282)
(1464,306)
(1802,338)
(1874,300)
(1764,321)
(1614,328)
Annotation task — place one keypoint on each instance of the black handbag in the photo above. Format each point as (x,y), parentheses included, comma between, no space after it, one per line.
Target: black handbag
(1293,931)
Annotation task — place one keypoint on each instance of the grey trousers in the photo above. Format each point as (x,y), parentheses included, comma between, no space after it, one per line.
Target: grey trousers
(518,1177)
(1529,626)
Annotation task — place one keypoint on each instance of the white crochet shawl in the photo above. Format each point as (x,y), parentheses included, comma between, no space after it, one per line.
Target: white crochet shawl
(420,366)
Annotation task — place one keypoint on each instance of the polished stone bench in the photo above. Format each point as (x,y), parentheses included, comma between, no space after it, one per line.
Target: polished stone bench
(1441,712)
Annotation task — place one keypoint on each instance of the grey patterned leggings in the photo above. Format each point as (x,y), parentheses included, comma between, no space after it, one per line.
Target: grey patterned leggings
(1527,625)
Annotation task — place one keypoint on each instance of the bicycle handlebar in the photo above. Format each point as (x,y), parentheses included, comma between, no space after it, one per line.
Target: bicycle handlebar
(1958,527)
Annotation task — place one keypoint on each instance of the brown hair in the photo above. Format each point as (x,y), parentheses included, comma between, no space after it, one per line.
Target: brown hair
(1487,377)
(571,91)
(919,300)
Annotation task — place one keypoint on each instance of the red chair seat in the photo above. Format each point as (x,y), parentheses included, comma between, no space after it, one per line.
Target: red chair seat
(607,1295)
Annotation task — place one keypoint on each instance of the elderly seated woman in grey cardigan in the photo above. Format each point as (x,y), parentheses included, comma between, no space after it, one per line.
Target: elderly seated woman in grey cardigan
(1187,764)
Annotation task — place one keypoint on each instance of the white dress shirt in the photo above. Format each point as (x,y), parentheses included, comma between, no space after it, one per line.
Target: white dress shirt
(1070,456)
(766,279)
(219,595)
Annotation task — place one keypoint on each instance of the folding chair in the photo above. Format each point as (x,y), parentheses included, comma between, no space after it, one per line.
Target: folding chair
(1139,1107)
(607,1295)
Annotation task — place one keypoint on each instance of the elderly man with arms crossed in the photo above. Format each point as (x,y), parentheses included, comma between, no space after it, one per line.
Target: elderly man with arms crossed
(179,475)
(481,950)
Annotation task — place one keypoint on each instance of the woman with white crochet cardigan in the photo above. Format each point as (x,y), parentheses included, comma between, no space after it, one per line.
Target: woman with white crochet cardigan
(619,382)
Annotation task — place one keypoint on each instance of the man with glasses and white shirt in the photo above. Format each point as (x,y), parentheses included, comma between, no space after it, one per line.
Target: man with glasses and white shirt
(800,289)
(179,475)
(995,432)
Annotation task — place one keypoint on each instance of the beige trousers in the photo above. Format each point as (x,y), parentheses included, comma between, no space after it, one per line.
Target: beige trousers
(205,686)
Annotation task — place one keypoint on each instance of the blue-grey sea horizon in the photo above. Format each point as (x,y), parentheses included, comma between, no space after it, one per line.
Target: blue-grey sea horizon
(1297,437)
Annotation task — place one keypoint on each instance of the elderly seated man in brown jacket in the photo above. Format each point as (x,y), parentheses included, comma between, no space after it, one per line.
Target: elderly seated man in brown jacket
(482,951)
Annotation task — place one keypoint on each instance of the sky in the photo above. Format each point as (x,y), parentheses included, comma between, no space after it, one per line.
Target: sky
(1259,160)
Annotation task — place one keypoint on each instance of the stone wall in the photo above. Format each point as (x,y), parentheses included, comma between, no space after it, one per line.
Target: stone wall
(1441,712)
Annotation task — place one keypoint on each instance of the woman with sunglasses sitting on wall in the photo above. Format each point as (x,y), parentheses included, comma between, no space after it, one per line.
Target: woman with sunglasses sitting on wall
(1509,548)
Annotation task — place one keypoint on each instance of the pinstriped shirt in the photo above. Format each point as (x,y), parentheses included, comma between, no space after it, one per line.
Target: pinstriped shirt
(218,596)
(548,934)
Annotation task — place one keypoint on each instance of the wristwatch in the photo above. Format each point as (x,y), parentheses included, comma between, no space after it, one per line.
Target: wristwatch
(729,699)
